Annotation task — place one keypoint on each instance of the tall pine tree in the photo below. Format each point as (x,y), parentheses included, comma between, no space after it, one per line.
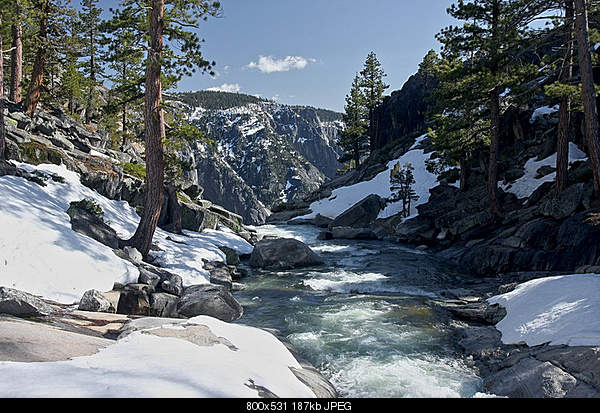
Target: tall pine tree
(490,39)
(180,56)
(90,20)
(371,81)
(354,139)
(588,89)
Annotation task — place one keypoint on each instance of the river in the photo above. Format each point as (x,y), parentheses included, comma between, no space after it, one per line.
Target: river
(364,319)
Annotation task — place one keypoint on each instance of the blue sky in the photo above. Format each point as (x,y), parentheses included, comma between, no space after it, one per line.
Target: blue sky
(311,49)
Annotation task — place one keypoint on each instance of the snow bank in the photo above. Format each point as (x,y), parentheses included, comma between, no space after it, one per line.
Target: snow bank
(41,254)
(345,197)
(528,183)
(556,310)
(543,111)
(145,365)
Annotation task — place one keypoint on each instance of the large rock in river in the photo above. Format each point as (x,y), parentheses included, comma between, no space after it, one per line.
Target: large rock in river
(283,254)
(361,214)
(211,300)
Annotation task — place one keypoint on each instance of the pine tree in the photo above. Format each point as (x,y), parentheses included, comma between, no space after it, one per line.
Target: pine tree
(172,18)
(49,17)
(461,128)
(588,89)
(2,128)
(90,20)
(564,90)
(353,139)
(371,81)
(124,56)
(489,42)
(401,185)
(17,53)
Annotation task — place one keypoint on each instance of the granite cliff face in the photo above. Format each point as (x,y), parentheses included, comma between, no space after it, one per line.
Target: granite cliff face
(261,153)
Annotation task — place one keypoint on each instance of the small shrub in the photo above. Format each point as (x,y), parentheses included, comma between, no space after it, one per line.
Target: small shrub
(90,206)
(134,169)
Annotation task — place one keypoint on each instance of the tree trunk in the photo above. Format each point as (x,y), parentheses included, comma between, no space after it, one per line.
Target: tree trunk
(17,57)
(154,134)
(88,109)
(562,143)
(589,96)
(464,174)
(37,78)
(494,104)
(2,129)
(494,149)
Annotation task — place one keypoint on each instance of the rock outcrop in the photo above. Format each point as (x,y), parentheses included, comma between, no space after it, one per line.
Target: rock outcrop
(283,254)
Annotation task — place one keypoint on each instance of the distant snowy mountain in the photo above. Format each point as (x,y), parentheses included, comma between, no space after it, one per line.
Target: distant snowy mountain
(262,153)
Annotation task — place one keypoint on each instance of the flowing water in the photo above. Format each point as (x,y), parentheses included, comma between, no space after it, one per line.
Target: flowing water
(364,319)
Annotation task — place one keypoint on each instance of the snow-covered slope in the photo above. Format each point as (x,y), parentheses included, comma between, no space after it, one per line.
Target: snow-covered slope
(41,254)
(556,310)
(528,183)
(345,197)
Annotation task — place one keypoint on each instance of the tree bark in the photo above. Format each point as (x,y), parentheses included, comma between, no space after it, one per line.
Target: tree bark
(588,89)
(154,134)
(562,142)
(17,57)
(464,174)
(88,109)
(494,149)
(494,105)
(2,129)
(37,78)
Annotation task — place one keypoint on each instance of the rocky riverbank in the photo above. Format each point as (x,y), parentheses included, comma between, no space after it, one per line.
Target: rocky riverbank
(516,370)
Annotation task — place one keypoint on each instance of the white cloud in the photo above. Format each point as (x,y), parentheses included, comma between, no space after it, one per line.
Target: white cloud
(270,64)
(226,87)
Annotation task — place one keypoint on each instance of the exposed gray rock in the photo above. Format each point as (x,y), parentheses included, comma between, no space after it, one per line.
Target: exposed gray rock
(171,283)
(360,215)
(197,218)
(135,299)
(21,304)
(531,378)
(283,254)
(479,312)
(480,342)
(581,362)
(29,342)
(221,275)
(353,233)
(94,300)
(163,305)
(211,300)
(168,282)
(91,226)
(231,255)
(148,277)
(567,202)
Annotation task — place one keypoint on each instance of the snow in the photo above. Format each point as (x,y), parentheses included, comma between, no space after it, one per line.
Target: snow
(145,365)
(543,111)
(528,183)
(41,254)
(560,310)
(345,197)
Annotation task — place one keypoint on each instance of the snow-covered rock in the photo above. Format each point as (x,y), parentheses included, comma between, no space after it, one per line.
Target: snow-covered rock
(200,357)
(556,310)
(42,255)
